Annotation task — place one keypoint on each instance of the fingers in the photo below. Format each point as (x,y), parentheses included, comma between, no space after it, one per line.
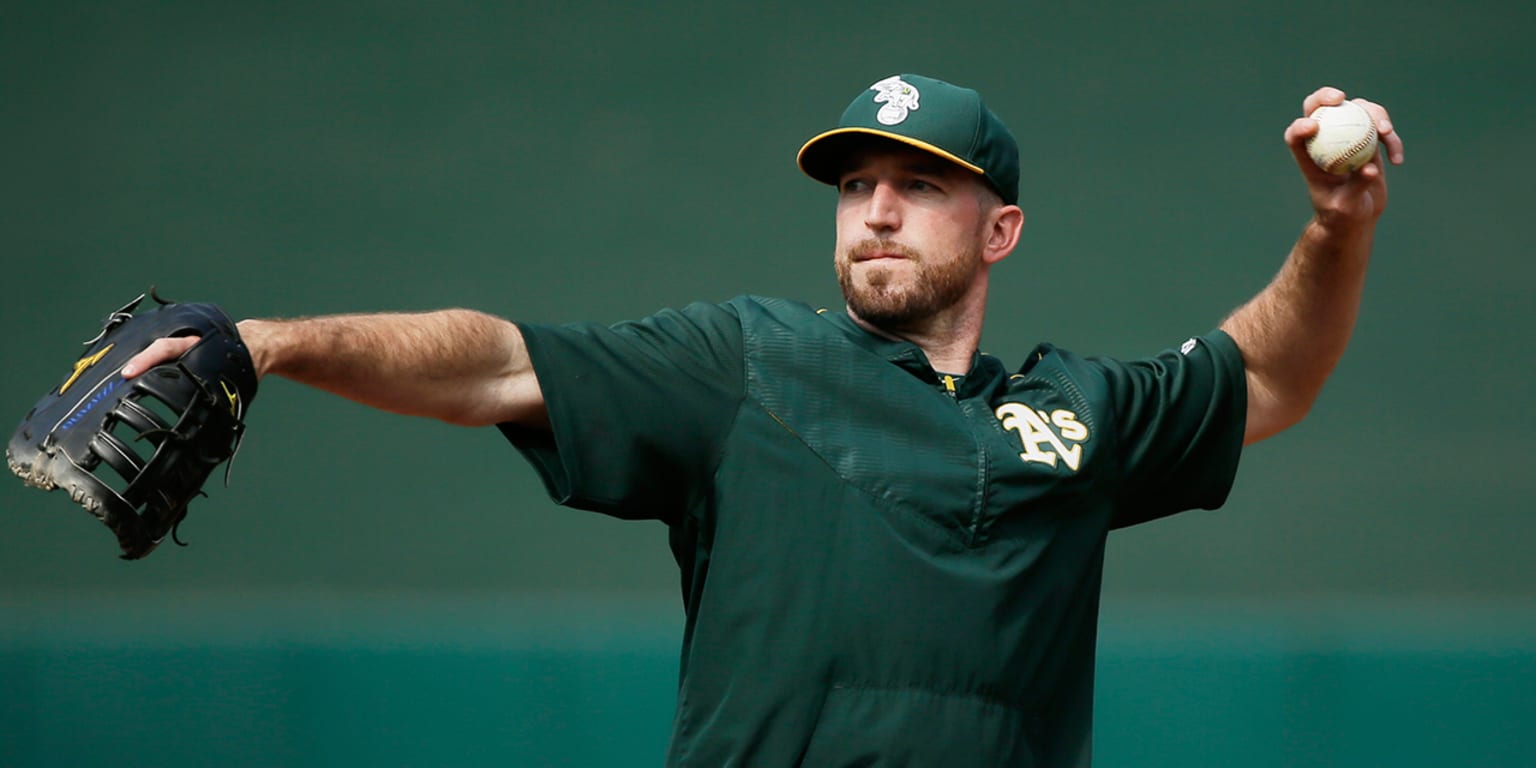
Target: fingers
(1296,135)
(1386,133)
(1300,129)
(1304,127)
(161,351)
(1328,96)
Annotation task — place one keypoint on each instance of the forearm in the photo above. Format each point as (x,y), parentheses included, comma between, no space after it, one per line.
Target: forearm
(1294,332)
(458,366)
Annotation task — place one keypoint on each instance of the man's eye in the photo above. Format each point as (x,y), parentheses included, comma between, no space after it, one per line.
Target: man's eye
(919,185)
(854,185)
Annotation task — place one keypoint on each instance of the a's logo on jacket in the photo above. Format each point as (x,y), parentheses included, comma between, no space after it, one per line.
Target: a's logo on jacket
(1046,437)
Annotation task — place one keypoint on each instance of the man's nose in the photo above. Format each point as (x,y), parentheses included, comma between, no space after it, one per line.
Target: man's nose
(884,211)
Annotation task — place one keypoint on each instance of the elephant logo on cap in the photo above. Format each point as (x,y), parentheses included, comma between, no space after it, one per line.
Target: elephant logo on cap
(898,96)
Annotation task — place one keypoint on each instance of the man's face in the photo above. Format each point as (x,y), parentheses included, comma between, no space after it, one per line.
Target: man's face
(910,231)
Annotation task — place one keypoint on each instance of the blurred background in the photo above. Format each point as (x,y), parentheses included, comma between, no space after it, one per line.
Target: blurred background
(377,590)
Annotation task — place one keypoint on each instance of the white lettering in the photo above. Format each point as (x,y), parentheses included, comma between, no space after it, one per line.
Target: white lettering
(1041,443)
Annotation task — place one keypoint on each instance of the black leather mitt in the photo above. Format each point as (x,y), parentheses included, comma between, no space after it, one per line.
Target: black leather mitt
(135,452)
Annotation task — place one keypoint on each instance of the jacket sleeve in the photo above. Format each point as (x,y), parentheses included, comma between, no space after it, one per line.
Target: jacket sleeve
(638,411)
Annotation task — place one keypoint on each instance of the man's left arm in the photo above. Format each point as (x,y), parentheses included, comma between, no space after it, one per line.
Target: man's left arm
(1293,333)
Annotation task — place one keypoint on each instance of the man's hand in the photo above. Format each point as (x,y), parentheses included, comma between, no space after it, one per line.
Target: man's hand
(1345,202)
(1293,333)
(168,349)
(161,351)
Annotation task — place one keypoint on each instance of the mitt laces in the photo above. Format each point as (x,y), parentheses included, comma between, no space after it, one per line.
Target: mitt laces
(125,313)
(118,317)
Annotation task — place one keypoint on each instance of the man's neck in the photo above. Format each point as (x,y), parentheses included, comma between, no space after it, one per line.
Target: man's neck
(948,341)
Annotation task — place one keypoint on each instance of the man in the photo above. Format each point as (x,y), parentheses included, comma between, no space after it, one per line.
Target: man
(891,545)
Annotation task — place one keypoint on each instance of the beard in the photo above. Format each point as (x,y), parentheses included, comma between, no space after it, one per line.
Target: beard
(886,299)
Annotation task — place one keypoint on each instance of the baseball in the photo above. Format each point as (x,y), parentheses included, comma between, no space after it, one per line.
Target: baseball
(1345,140)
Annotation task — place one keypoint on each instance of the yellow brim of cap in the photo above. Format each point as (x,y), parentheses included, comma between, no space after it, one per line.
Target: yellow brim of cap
(923,145)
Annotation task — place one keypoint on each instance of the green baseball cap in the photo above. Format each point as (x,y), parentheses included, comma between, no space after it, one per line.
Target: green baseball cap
(932,115)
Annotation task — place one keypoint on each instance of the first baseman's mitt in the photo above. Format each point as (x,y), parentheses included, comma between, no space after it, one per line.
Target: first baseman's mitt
(134,452)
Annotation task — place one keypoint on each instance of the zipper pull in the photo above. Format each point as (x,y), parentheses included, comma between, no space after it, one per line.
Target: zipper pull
(949,384)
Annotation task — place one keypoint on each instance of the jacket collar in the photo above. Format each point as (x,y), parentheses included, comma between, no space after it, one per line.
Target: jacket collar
(909,356)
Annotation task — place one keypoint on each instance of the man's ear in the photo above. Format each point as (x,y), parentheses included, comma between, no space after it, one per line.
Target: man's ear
(1007,221)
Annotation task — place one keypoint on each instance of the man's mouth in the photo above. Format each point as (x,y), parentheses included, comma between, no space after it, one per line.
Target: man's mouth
(877,251)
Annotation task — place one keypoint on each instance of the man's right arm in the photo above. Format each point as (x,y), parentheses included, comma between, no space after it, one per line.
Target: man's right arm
(456,365)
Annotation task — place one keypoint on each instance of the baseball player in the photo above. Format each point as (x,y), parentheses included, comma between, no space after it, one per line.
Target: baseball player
(891,545)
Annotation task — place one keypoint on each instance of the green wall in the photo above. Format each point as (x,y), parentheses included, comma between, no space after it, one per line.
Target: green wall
(572,161)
